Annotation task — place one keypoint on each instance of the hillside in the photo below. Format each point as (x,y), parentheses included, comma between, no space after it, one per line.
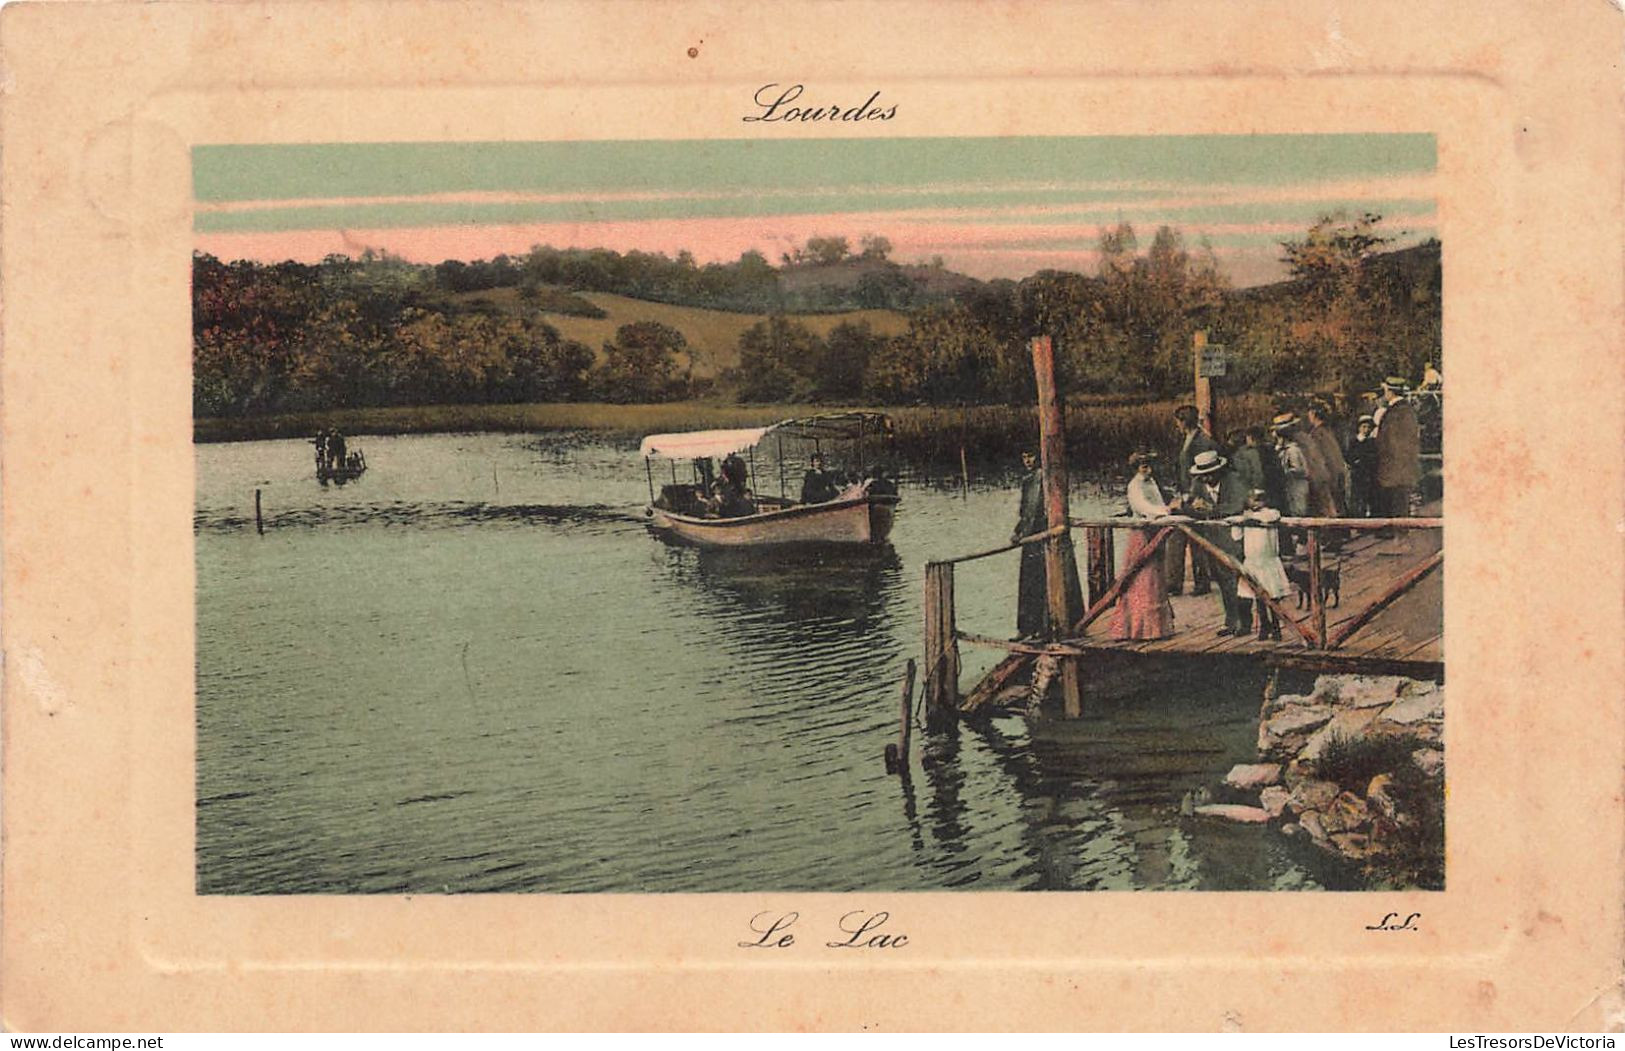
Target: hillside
(713,335)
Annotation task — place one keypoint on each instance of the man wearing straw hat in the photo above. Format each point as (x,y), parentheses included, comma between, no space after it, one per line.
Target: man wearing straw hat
(1193,442)
(1399,450)
(1294,464)
(1217,492)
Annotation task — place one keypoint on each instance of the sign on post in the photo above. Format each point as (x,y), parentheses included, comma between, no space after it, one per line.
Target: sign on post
(1211,360)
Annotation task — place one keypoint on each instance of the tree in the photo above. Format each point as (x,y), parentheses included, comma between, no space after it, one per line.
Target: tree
(827,251)
(641,364)
(777,360)
(847,350)
(874,247)
(1340,320)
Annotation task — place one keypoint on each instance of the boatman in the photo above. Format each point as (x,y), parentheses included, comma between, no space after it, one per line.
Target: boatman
(817,485)
(1032,599)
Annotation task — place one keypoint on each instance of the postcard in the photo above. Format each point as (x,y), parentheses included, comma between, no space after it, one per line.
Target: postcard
(544,517)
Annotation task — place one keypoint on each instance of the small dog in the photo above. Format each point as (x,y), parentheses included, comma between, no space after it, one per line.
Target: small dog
(1331,583)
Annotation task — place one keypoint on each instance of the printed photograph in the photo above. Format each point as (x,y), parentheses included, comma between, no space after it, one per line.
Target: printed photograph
(871,514)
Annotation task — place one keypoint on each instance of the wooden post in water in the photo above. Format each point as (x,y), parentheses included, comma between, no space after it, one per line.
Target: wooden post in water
(941,640)
(898,763)
(1052,458)
(259,520)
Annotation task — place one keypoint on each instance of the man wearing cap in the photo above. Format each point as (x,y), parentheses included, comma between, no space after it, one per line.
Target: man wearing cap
(1399,450)
(1217,492)
(1362,460)
(1193,442)
(1294,465)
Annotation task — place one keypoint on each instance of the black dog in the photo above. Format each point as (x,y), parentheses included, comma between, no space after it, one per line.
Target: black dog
(1331,583)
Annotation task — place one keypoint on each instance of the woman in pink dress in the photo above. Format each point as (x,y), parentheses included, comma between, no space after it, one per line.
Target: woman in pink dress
(1143,611)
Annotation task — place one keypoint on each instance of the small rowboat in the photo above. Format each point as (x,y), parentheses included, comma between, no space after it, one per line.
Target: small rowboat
(860,513)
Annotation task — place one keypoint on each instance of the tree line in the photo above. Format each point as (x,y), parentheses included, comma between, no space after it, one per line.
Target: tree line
(378,331)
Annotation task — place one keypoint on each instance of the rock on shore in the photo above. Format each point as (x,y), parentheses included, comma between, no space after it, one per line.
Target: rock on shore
(1356,767)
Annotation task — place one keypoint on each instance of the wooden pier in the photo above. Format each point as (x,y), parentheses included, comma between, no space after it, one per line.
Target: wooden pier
(1383,616)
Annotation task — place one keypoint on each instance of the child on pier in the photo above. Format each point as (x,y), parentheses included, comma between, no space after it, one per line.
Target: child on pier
(1261,555)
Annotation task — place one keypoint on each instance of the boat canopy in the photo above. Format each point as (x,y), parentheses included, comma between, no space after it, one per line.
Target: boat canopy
(699,444)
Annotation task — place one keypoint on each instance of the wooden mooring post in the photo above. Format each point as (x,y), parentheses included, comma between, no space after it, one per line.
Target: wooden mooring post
(941,640)
(1052,458)
(897,754)
(259,520)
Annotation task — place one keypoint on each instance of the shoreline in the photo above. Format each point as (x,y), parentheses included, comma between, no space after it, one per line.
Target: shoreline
(1097,433)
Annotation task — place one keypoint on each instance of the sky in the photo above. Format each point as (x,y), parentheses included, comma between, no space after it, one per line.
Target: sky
(989,207)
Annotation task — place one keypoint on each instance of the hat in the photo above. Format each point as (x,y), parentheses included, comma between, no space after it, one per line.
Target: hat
(1368,418)
(1208,462)
(1283,421)
(1397,383)
(1140,456)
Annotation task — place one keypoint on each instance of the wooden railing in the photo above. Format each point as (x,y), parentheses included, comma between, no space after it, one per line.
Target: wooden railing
(942,636)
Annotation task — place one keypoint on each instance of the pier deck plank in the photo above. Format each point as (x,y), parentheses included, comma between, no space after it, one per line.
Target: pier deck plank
(1410,630)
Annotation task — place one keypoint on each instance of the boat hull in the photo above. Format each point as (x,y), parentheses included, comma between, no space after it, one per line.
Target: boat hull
(861,520)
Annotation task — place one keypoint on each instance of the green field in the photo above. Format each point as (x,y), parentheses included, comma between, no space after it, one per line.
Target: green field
(713,335)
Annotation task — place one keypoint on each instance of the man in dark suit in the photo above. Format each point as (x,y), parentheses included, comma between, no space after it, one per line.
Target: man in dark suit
(1399,450)
(1193,442)
(1217,492)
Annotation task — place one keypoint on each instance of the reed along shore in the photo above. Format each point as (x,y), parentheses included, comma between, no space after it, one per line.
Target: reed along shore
(1099,432)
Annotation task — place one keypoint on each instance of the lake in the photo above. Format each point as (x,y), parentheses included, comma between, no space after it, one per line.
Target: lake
(475,670)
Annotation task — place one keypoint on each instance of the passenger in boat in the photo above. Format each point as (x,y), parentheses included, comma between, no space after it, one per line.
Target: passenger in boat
(818,485)
(884,482)
(733,489)
(1143,610)
(1032,601)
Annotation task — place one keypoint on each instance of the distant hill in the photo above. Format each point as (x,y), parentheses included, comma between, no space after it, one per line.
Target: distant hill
(713,335)
(1416,269)
(865,282)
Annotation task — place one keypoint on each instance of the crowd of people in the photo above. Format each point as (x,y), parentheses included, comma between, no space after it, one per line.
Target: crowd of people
(1299,466)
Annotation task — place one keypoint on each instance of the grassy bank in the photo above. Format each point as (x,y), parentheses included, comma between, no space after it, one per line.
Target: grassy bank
(1096,434)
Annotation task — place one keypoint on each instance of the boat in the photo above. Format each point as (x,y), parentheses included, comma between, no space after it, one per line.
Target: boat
(862,512)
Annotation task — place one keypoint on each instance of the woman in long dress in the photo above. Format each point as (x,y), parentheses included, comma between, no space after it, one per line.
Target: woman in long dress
(1143,611)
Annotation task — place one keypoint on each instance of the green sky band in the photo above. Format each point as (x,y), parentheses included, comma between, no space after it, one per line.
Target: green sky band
(286,171)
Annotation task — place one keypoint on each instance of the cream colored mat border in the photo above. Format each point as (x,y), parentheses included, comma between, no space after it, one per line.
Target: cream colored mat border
(102,104)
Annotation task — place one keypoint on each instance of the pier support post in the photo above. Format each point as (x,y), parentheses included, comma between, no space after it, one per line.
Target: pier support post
(1052,457)
(259,519)
(1317,600)
(941,639)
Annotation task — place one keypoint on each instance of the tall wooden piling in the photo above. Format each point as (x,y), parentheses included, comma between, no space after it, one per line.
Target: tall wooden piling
(941,640)
(1204,387)
(259,519)
(1052,457)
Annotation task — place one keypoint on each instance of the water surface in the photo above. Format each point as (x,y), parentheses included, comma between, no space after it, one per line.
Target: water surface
(474,669)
